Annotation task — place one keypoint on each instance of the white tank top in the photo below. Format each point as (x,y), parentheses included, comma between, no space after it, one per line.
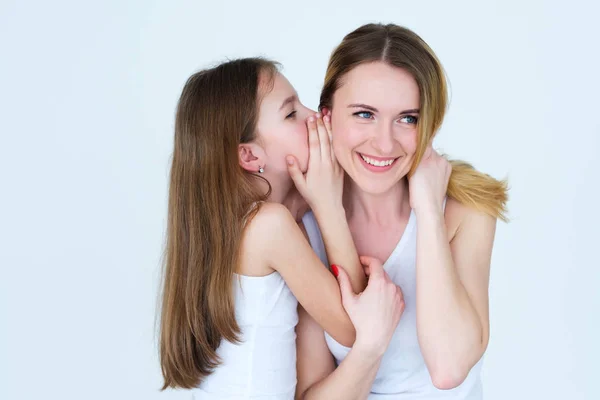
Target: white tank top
(263,365)
(402,373)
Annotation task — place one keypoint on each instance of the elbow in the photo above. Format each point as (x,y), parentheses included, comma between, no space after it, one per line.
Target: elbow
(346,335)
(450,372)
(348,338)
(448,378)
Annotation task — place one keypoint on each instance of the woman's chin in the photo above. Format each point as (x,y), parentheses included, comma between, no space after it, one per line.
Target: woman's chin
(375,187)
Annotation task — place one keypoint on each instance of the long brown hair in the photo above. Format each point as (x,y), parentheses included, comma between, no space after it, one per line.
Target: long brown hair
(402,48)
(209,196)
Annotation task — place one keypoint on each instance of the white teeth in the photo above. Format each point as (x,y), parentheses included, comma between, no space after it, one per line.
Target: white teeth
(378,163)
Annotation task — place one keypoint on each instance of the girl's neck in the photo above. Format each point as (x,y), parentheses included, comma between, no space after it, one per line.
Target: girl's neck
(280,187)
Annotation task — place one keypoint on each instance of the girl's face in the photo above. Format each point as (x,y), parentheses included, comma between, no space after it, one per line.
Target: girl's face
(374,122)
(282,128)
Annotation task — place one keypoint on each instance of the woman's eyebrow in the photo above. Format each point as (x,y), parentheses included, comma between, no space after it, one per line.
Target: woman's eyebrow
(370,108)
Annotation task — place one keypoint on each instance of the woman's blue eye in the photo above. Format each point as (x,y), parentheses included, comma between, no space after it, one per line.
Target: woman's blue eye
(291,115)
(364,114)
(409,119)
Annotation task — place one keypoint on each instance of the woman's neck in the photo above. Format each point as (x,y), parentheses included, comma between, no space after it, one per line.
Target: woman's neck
(382,209)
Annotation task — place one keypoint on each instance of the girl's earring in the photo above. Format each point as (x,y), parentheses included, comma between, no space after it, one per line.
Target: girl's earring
(261,170)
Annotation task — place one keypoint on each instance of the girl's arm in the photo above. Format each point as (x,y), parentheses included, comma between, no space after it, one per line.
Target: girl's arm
(274,238)
(322,187)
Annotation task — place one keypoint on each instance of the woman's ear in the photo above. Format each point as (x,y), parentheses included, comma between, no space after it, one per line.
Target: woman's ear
(251,157)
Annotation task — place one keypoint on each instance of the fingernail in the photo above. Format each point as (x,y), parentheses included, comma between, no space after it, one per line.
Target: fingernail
(311,119)
(318,115)
(326,118)
(335,270)
(290,160)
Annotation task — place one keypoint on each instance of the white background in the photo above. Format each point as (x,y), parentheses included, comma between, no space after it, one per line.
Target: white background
(87,98)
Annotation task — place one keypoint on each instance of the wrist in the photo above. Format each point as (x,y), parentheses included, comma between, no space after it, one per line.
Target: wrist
(329,210)
(369,350)
(429,213)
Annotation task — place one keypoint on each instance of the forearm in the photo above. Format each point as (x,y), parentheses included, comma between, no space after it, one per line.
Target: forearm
(340,245)
(351,380)
(448,326)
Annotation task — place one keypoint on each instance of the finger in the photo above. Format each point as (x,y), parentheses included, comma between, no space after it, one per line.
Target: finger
(314,146)
(345,285)
(327,123)
(323,138)
(295,173)
(367,270)
(375,266)
(399,292)
(325,111)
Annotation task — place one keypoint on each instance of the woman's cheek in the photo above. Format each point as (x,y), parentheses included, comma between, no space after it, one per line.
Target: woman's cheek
(408,141)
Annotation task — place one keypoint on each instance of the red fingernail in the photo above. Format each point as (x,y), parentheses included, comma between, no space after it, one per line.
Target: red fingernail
(335,270)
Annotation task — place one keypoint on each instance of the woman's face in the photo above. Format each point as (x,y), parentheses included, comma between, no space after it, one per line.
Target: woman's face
(374,122)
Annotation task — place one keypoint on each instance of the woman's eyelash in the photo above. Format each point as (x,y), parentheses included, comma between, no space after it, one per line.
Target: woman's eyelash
(291,115)
(414,119)
(363,114)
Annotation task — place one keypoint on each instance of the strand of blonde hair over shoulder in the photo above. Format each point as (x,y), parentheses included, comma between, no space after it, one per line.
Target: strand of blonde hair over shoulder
(402,48)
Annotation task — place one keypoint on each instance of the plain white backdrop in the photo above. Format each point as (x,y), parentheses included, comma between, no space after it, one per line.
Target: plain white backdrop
(87,98)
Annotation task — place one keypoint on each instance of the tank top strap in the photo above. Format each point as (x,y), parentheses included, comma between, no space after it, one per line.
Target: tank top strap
(314,236)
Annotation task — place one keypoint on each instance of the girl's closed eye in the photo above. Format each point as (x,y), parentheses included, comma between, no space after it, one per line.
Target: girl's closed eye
(291,115)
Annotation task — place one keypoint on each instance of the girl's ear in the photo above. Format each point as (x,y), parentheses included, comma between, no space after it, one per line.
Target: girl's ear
(251,157)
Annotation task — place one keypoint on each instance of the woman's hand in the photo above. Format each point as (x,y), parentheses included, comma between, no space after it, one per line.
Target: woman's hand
(375,312)
(323,182)
(429,184)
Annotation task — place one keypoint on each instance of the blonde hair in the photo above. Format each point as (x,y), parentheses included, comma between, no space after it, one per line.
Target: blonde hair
(402,48)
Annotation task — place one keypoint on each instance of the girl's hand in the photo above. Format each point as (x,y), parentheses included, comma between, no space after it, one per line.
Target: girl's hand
(323,182)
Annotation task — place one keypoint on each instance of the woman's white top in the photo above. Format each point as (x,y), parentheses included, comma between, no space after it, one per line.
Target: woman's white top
(403,373)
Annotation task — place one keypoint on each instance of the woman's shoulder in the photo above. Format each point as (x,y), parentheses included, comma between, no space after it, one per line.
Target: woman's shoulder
(459,217)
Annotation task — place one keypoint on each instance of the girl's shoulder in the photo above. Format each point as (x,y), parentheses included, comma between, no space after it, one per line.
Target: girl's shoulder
(265,226)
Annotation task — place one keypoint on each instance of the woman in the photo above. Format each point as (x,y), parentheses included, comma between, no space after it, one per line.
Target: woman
(237,263)
(386,94)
